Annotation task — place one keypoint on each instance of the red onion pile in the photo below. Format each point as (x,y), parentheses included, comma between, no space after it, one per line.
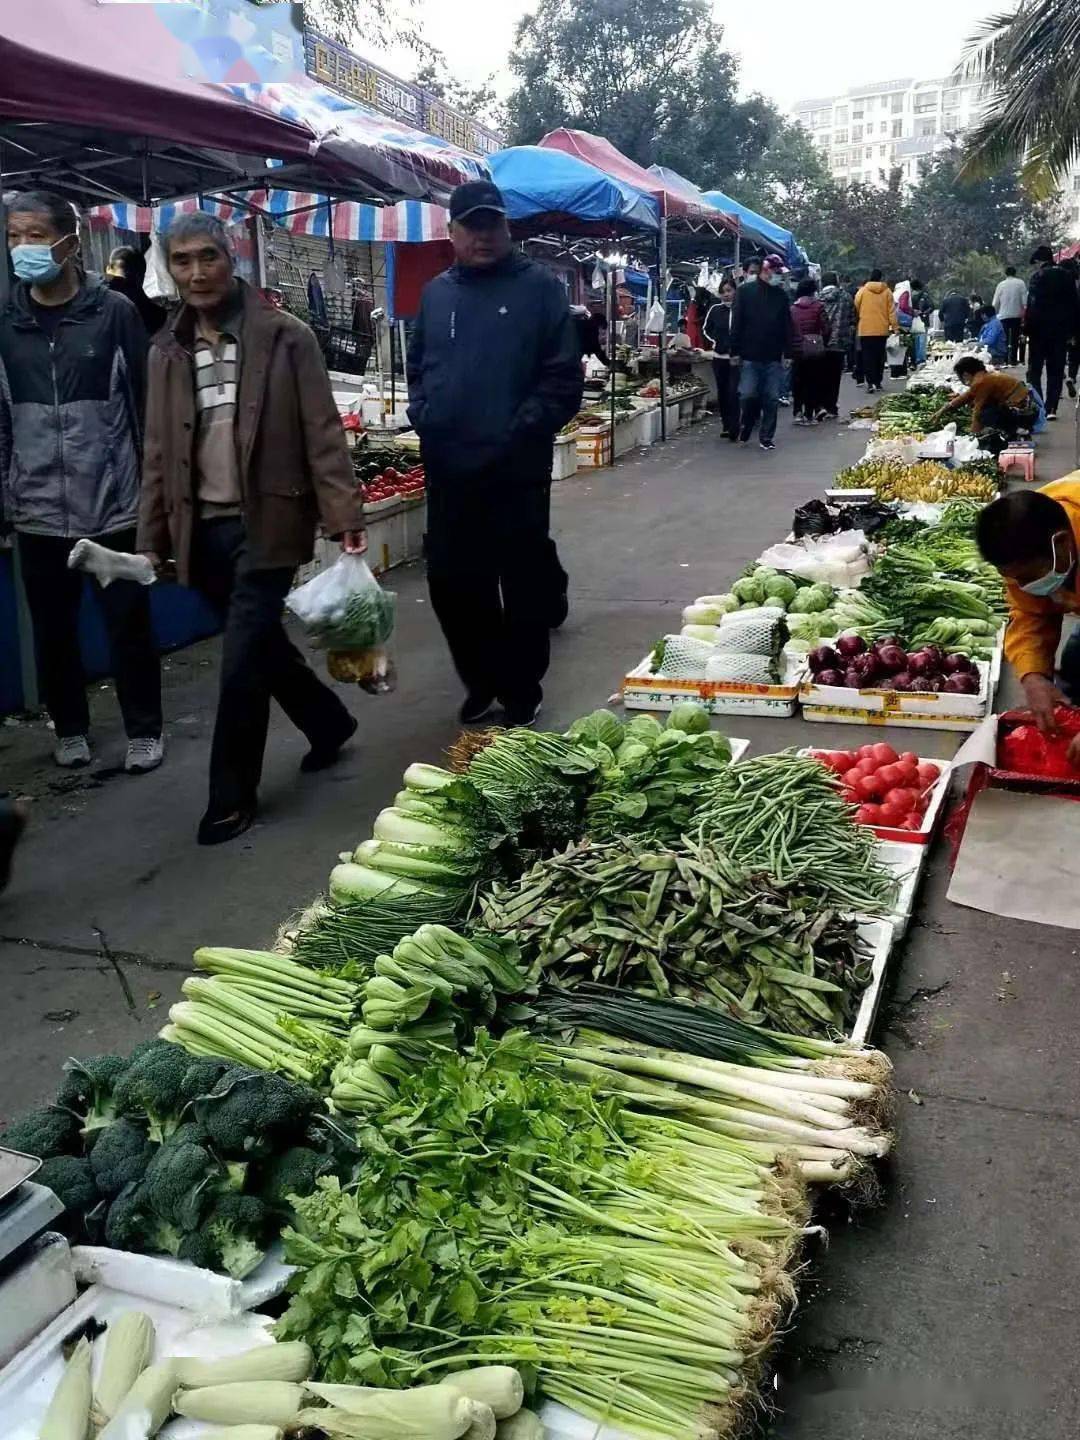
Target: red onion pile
(853,665)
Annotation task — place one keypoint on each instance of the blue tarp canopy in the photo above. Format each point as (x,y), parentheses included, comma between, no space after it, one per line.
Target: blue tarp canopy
(559,190)
(760,231)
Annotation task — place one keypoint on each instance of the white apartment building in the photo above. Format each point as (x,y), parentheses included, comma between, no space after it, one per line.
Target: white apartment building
(871,130)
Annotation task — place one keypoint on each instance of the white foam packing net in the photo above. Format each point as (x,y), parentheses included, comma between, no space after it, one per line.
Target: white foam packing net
(750,632)
(741,669)
(685,658)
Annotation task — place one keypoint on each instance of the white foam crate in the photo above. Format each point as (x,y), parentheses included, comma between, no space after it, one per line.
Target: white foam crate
(881,706)
(908,864)
(881,935)
(641,690)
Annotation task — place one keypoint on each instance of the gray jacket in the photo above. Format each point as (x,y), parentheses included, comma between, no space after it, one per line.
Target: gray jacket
(71,414)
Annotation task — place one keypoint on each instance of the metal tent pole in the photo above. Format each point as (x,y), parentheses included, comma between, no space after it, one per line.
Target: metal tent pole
(611,354)
(662,292)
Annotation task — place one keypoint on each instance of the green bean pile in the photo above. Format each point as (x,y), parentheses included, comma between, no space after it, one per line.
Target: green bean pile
(783,816)
(686,924)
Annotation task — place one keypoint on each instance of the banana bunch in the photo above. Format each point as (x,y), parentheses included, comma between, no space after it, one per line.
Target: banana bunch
(928,481)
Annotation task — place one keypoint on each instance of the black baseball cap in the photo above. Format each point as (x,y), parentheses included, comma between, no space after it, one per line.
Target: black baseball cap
(476,195)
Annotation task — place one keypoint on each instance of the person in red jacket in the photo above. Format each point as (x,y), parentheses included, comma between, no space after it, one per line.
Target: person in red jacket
(809,378)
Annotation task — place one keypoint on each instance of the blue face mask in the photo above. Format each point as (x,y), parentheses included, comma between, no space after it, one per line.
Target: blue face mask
(775,279)
(35,264)
(1054,579)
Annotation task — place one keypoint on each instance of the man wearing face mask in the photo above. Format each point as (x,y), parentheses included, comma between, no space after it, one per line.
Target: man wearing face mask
(1033,538)
(72,389)
(762,334)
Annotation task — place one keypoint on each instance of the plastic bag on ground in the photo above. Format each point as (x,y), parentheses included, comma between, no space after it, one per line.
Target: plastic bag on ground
(347,612)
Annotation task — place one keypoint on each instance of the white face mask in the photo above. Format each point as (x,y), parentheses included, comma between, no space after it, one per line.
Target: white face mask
(1054,579)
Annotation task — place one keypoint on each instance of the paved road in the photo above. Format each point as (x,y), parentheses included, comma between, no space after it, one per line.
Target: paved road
(952,1310)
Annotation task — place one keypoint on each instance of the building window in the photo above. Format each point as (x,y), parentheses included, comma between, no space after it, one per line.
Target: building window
(856,132)
(897,104)
(883,150)
(868,153)
(925,128)
(884,127)
(857,111)
(840,115)
(1076,215)
(897,129)
(1076,182)
(821,117)
(840,138)
(925,104)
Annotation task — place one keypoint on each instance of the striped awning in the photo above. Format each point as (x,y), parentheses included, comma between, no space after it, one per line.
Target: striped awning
(299,212)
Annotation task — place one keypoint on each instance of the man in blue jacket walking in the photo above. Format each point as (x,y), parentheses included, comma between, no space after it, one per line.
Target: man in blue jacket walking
(494,372)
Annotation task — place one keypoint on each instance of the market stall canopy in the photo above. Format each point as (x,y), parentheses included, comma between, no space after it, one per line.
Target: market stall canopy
(681,186)
(554,188)
(351,142)
(597,151)
(94,103)
(760,231)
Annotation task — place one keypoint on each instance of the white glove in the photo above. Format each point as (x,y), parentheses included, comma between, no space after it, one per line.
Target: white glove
(108,565)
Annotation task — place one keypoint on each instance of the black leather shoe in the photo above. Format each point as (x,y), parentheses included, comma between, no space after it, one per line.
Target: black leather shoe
(521,717)
(215,830)
(322,756)
(477,708)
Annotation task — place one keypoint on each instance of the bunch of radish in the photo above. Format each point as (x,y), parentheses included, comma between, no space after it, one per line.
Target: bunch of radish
(888,789)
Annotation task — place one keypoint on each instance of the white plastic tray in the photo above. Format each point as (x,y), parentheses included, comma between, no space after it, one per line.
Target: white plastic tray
(882,935)
(900,706)
(28,1382)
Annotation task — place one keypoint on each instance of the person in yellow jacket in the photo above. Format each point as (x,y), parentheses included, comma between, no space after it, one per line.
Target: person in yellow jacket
(1033,538)
(876,312)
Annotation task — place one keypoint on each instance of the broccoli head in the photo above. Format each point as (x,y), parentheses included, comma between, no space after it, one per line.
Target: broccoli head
(71,1180)
(120,1155)
(253,1112)
(151,1088)
(44,1133)
(291,1172)
(238,1227)
(132,1223)
(87,1089)
(176,1177)
(202,1074)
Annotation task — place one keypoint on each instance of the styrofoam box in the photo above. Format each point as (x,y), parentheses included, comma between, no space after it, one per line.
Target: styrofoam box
(908,864)
(626,434)
(951,712)
(674,419)
(641,690)
(881,934)
(565,462)
(931,815)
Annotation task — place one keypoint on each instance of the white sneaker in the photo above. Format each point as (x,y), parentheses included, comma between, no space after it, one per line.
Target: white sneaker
(72,752)
(144,754)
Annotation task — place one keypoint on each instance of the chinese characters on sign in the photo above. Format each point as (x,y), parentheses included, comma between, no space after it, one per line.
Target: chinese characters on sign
(332,64)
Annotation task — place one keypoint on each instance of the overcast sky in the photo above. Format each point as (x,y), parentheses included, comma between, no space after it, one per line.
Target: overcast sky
(801,50)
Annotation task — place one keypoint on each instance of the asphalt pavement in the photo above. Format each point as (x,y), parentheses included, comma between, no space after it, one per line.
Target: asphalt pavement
(951,1309)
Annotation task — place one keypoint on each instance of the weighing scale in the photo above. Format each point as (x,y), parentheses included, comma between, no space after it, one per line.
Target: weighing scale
(26,1209)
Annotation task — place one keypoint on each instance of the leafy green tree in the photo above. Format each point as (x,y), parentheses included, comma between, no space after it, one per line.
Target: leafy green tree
(382,23)
(479,101)
(1027,58)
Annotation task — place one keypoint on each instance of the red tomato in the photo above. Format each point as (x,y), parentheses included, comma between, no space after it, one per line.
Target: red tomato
(912,822)
(884,754)
(907,773)
(868,815)
(870,787)
(902,800)
(910,755)
(926,774)
(865,752)
(890,815)
(842,761)
(889,775)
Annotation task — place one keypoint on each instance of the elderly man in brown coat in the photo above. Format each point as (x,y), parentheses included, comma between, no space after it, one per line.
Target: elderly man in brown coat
(245,455)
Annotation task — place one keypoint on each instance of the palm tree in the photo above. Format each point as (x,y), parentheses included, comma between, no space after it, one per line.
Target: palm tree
(1027,59)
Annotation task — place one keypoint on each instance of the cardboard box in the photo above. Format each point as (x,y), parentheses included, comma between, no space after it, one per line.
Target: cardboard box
(593,449)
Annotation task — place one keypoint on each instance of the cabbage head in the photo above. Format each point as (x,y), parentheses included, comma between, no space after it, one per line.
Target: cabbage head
(600,728)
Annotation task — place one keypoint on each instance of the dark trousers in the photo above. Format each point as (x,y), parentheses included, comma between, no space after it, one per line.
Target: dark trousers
(258,663)
(1047,352)
(808,384)
(53,593)
(491,573)
(998,424)
(955,332)
(855,361)
(1073,358)
(1012,338)
(727,394)
(760,383)
(834,374)
(873,358)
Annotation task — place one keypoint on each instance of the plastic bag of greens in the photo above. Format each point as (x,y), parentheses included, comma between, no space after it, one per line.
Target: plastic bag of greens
(347,612)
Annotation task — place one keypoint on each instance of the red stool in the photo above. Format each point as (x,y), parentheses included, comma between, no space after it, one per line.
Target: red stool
(1024,460)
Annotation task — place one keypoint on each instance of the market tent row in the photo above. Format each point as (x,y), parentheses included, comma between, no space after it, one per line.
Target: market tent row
(761,231)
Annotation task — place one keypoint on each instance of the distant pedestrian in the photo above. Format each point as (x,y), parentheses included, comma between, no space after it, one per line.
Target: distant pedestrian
(876,322)
(922,301)
(761,337)
(1073,354)
(975,303)
(840,309)
(126,272)
(810,368)
(1051,321)
(494,373)
(1010,297)
(751,270)
(591,325)
(992,335)
(245,453)
(717,331)
(954,314)
(72,391)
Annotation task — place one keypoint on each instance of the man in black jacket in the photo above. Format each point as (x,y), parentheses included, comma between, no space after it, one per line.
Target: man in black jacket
(762,336)
(1051,321)
(494,373)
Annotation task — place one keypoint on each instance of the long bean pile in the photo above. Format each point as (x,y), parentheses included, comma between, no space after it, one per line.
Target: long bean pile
(783,816)
(687,923)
